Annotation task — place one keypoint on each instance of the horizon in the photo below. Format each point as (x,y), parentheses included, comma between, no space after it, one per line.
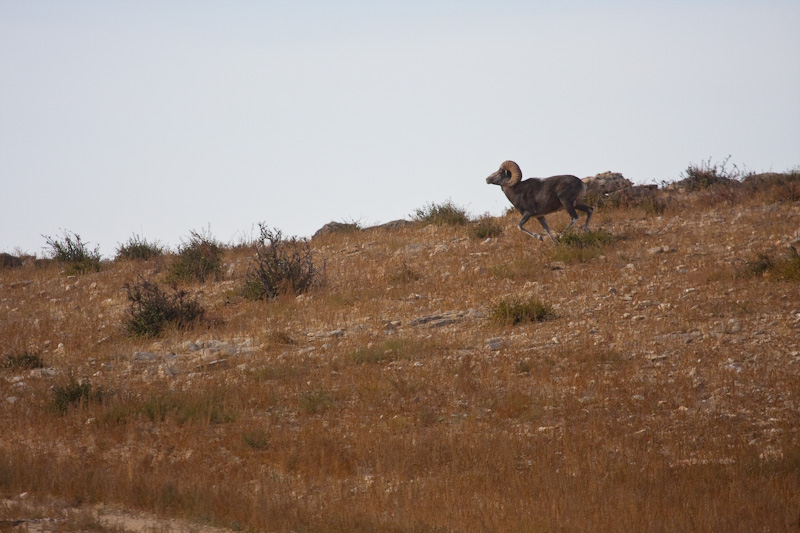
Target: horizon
(159,120)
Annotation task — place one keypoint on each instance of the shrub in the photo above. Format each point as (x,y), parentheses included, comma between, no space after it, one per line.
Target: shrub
(198,258)
(152,309)
(280,266)
(24,361)
(514,312)
(446,214)
(138,248)
(74,253)
(702,176)
(485,227)
(73,393)
(786,268)
(315,401)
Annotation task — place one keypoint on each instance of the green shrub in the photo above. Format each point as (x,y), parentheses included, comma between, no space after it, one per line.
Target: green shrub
(74,253)
(785,268)
(138,248)
(152,309)
(485,227)
(74,393)
(586,239)
(446,214)
(24,361)
(257,439)
(514,312)
(198,259)
(280,266)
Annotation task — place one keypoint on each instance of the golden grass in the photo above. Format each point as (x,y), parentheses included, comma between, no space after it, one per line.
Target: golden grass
(663,395)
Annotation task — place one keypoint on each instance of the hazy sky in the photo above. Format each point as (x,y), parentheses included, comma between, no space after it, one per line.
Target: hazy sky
(159,118)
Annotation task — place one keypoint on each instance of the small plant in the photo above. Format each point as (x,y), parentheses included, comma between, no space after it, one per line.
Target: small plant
(514,312)
(152,309)
(138,248)
(446,214)
(315,401)
(485,227)
(280,266)
(198,259)
(23,361)
(74,393)
(74,253)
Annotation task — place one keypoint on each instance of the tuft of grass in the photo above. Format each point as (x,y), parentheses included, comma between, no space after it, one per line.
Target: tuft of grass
(74,253)
(515,311)
(445,214)
(386,351)
(199,258)
(582,246)
(152,309)
(22,361)
(138,248)
(74,393)
(485,227)
(280,266)
(404,274)
(183,408)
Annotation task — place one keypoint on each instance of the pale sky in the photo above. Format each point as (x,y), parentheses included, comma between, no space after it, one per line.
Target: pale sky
(159,118)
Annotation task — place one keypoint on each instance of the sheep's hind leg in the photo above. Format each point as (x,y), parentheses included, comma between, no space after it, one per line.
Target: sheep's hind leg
(588,210)
(543,222)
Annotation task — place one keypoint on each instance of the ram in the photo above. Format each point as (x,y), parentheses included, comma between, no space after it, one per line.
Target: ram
(536,197)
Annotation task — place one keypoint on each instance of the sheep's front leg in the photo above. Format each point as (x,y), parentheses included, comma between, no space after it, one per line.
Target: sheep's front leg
(522,222)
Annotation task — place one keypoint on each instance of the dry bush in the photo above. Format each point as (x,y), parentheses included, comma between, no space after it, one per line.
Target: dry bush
(280,266)
(152,309)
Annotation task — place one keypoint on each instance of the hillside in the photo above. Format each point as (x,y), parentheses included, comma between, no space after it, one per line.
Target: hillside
(660,391)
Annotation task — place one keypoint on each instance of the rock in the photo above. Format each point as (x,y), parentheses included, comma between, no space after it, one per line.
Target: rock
(9,261)
(394,224)
(43,373)
(144,357)
(606,183)
(334,227)
(494,344)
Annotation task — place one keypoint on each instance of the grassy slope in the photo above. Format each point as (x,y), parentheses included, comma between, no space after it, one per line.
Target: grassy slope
(663,397)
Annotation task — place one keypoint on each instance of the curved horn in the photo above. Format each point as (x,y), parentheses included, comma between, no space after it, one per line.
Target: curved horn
(512,168)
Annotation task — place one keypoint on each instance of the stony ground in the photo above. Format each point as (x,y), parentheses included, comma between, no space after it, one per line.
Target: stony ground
(663,394)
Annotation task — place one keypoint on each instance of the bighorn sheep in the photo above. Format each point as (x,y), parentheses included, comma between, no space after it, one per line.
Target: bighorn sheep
(536,197)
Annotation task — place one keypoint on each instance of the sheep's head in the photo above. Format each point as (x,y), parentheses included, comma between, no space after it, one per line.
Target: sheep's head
(507,175)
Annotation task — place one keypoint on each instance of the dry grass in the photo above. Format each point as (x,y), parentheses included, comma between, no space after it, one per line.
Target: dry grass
(661,395)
